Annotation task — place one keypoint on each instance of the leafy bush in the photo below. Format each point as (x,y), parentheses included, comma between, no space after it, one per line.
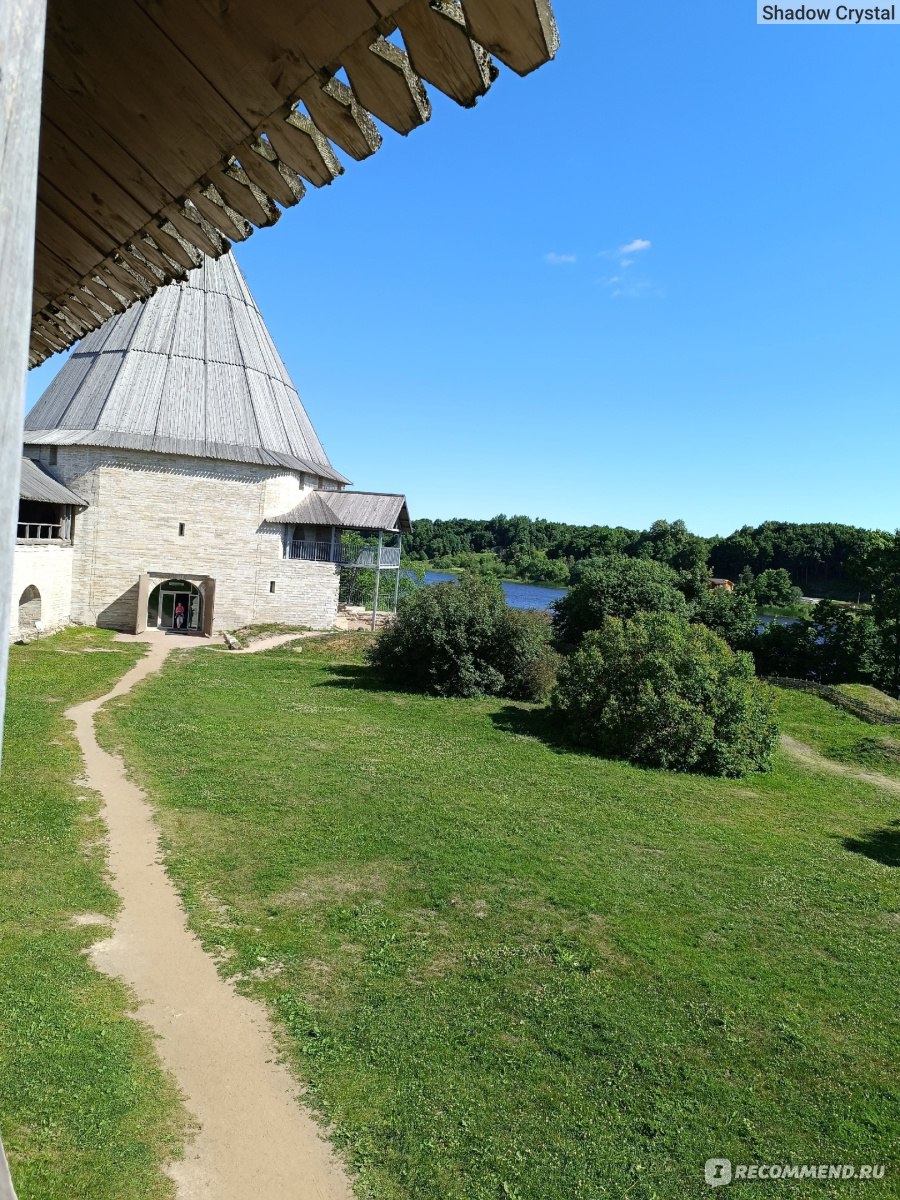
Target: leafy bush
(524,654)
(615,586)
(661,692)
(460,639)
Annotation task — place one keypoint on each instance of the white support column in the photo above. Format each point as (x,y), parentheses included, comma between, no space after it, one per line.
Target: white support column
(377,579)
(397,577)
(21,67)
(22,61)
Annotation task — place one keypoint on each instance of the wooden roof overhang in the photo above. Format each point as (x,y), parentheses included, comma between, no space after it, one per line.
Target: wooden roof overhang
(171,129)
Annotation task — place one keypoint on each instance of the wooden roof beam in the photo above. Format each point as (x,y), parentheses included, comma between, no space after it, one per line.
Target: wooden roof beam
(172,245)
(110,298)
(208,201)
(50,334)
(123,281)
(89,301)
(521,33)
(145,245)
(269,174)
(338,115)
(385,84)
(300,146)
(197,233)
(441,51)
(253,204)
(136,262)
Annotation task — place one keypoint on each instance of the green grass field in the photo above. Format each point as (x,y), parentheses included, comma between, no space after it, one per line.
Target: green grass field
(509,970)
(840,735)
(84,1109)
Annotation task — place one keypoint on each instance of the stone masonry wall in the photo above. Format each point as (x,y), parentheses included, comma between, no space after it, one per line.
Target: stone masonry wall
(49,569)
(137,503)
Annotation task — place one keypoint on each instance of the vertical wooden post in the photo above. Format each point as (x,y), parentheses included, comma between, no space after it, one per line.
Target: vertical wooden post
(397,580)
(22,58)
(377,580)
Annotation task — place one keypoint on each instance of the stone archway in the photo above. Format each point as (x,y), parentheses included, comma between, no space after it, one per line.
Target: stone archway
(176,605)
(29,610)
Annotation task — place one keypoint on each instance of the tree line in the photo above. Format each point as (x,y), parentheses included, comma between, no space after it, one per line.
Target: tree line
(822,558)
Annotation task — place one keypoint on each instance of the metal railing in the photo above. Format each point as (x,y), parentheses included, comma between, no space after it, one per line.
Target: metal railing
(345,556)
(34,531)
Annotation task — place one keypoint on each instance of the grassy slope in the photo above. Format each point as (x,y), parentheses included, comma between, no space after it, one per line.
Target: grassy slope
(509,971)
(84,1109)
(871,695)
(839,734)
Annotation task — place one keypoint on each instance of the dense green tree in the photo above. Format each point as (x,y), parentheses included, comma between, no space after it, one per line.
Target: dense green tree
(663,693)
(820,556)
(615,586)
(775,587)
(848,644)
(881,571)
(791,651)
(731,615)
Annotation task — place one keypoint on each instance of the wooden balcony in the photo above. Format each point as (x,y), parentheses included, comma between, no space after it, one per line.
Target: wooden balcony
(33,531)
(345,556)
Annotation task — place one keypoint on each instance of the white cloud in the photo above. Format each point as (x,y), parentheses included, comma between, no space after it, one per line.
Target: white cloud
(556,260)
(635,247)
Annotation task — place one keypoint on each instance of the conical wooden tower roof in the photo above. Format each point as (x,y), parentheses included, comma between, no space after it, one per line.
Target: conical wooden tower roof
(193,371)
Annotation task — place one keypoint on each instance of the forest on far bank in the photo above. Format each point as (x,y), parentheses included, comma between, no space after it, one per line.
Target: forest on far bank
(822,559)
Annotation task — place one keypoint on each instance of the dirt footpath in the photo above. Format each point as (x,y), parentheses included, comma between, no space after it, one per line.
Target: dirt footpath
(818,762)
(255,1141)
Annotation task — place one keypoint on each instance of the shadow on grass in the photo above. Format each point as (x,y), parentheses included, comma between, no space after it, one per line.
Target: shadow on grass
(882,845)
(362,678)
(541,724)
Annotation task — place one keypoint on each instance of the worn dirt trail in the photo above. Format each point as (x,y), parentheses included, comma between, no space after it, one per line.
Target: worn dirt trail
(818,762)
(255,1141)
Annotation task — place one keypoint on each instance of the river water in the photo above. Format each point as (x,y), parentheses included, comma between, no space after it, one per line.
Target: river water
(518,595)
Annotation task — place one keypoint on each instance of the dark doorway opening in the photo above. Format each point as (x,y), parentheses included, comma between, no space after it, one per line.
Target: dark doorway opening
(176,605)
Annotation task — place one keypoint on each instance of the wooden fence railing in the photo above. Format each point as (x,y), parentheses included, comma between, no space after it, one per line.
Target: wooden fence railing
(859,708)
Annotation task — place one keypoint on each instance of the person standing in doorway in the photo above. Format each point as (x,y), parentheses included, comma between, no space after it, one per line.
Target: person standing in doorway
(179,615)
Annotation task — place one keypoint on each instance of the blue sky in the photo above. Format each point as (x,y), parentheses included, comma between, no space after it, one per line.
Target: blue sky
(465,324)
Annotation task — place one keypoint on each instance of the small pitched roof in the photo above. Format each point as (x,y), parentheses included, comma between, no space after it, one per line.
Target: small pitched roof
(193,371)
(349,510)
(38,484)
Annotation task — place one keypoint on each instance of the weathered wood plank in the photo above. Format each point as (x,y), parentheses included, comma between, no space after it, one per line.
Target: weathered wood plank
(132,257)
(220,215)
(114,160)
(251,202)
(521,33)
(99,289)
(207,241)
(145,243)
(386,84)
(300,145)
(441,51)
(121,280)
(172,246)
(74,254)
(110,205)
(337,113)
(149,120)
(262,167)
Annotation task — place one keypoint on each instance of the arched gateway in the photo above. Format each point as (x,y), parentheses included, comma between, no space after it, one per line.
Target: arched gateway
(176,604)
